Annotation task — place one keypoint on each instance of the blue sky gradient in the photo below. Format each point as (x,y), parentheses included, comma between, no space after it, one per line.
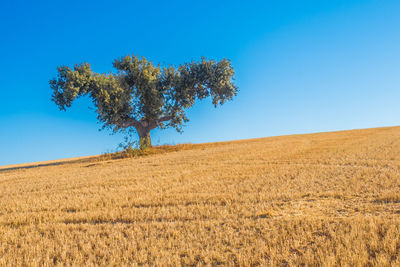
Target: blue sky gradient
(301,67)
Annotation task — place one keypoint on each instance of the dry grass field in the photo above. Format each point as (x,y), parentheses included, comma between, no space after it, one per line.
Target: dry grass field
(323,199)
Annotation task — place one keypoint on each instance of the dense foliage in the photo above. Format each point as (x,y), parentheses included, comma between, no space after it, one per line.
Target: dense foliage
(144,96)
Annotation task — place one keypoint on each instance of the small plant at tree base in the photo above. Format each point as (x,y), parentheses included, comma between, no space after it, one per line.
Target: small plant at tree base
(129,143)
(143,96)
(130,147)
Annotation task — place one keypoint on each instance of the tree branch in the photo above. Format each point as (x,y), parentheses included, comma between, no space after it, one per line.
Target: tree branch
(130,122)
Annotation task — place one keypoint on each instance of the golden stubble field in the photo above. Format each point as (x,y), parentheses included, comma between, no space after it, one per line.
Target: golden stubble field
(319,199)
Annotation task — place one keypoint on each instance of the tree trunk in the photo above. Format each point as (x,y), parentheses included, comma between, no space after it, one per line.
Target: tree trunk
(144,137)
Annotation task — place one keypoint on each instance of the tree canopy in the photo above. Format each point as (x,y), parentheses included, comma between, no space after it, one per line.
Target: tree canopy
(142,95)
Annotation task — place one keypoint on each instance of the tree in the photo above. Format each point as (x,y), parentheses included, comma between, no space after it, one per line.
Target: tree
(144,96)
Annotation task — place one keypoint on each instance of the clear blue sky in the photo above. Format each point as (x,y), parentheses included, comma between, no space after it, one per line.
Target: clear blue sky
(301,67)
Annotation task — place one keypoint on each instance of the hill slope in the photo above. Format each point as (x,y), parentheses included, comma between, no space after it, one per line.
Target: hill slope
(328,198)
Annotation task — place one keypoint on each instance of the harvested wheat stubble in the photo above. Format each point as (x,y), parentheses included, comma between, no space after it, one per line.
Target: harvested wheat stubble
(319,199)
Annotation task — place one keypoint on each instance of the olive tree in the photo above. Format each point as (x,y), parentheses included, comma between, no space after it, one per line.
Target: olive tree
(142,96)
